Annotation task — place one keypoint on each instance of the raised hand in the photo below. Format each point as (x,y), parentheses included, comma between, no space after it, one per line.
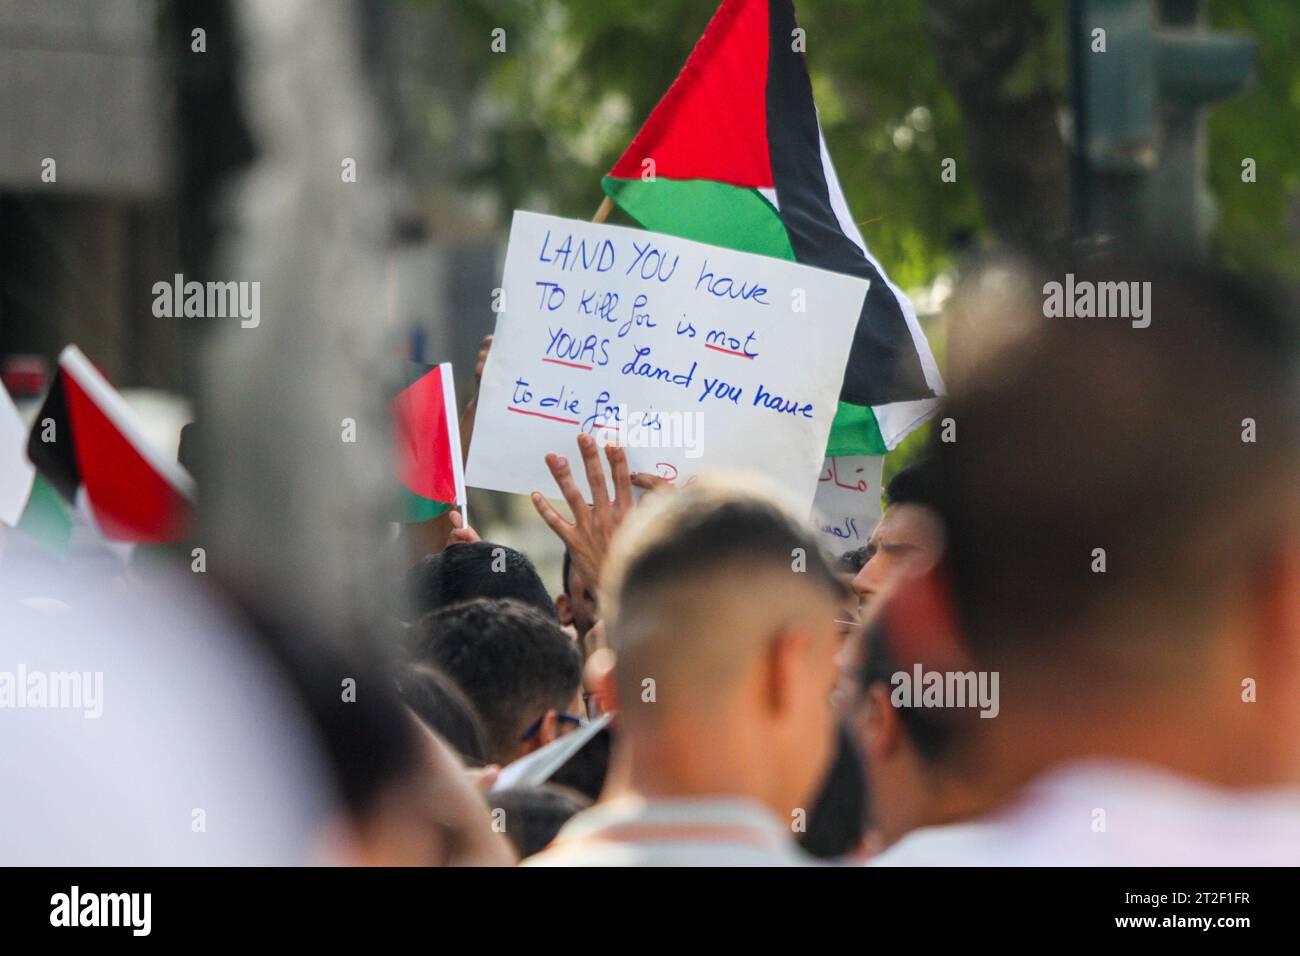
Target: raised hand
(461,533)
(588,535)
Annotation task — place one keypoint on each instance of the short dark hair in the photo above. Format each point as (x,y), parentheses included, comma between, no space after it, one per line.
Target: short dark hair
(436,700)
(533,815)
(707,526)
(851,562)
(479,569)
(917,484)
(929,729)
(679,545)
(1084,433)
(564,572)
(512,661)
(837,820)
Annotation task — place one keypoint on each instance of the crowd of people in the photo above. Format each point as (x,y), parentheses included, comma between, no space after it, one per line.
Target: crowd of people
(1073,637)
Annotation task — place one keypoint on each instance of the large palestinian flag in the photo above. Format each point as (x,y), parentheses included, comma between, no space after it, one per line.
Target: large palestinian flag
(88,445)
(426,443)
(738,160)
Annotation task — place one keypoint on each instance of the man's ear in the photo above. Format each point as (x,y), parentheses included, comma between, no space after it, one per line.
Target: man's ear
(784,666)
(548,731)
(598,678)
(562,608)
(884,730)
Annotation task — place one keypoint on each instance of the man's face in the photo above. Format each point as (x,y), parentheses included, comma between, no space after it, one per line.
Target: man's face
(897,797)
(578,606)
(813,716)
(907,542)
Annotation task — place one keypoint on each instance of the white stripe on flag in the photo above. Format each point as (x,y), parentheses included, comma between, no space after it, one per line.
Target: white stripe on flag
(453,433)
(900,419)
(16,473)
(73,361)
(902,416)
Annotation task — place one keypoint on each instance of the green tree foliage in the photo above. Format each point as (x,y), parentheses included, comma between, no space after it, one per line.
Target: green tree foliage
(1259,222)
(580,76)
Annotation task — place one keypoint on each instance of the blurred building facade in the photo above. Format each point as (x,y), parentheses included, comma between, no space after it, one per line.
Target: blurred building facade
(90,86)
(86,224)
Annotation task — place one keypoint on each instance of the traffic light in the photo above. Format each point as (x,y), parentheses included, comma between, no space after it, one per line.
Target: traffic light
(1143,73)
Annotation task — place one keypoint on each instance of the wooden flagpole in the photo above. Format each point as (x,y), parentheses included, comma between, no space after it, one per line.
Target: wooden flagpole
(606,207)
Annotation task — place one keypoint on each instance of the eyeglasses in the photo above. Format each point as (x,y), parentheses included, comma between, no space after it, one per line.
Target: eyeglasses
(563,718)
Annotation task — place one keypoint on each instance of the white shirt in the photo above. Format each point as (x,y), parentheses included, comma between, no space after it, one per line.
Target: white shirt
(181,746)
(1113,813)
(703,831)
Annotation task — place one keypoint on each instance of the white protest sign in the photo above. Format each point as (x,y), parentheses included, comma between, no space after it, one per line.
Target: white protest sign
(847,505)
(692,356)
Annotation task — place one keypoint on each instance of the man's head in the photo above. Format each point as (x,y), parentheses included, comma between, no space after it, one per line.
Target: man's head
(909,539)
(534,815)
(444,708)
(462,572)
(721,613)
(577,604)
(908,751)
(515,664)
(1124,528)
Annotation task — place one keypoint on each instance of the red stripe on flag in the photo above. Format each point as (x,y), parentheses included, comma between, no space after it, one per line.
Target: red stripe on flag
(422,439)
(712,122)
(130,499)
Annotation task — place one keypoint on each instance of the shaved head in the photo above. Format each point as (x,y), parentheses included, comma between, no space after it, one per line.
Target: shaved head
(700,584)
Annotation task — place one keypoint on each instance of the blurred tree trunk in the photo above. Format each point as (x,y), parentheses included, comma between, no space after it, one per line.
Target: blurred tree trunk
(988,51)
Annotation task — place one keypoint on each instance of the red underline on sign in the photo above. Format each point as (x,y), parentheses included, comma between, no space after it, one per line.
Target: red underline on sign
(569,364)
(719,348)
(551,418)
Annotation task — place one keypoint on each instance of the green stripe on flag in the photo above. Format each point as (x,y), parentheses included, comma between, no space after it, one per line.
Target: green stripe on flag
(717,213)
(412,508)
(854,432)
(47,519)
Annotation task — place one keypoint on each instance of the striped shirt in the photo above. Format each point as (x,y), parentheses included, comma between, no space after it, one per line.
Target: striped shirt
(696,831)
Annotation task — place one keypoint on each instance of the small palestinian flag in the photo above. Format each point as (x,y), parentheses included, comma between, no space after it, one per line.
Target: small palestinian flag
(16,472)
(89,446)
(27,503)
(426,443)
(738,160)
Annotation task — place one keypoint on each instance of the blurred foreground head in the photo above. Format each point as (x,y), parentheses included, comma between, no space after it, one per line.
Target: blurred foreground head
(407,798)
(1123,524)
(145,727)
(721,613)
